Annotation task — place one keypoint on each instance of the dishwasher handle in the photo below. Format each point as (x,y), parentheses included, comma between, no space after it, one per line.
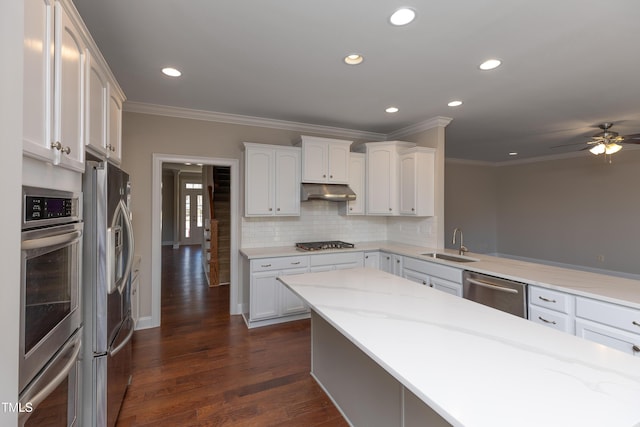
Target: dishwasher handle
(491,286)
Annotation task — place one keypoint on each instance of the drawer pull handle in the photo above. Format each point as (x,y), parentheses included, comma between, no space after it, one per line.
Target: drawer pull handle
(635,323)
(265,265)
(295,263)
(636,348)
(547,321)
(547,299)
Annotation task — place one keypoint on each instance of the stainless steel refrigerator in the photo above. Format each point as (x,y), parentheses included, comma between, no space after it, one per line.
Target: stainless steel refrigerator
(108,257)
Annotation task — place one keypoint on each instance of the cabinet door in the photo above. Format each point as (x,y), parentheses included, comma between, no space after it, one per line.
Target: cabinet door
(96,113)
(259,185)
(408,184)
(386,262)
(315,164)
(372,259)
(380,181)
(265,295)
(287,182)
(396,264)
(290,302)
(114,136)
(68,91)
(339,158)
(610,337)
(38,79)
(357,183)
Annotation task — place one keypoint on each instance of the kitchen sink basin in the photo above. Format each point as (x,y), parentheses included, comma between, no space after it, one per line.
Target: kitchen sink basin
(449,257)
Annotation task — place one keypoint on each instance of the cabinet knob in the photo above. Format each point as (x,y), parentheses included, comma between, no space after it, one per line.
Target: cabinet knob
(398,261)
(636,348)
(547,299)
(330,176)
(324,176)
(58,146)
(413,209)
(635,323)
(278,209)
(350,209)
(424,283)
(390,209)
(265,265)
(270,209)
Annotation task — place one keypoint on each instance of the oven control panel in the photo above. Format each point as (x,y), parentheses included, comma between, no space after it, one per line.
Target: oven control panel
(37,208)
(48,207)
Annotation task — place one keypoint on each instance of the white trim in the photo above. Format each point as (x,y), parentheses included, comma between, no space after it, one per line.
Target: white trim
(144,323)
(156,228)
(211,116)
(434,122)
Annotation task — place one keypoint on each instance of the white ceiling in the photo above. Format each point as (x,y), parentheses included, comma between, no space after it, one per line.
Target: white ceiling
(568,65)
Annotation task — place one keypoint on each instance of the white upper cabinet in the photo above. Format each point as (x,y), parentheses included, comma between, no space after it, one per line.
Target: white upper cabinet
(67,86)
(272,180)
(103,119)
(417,172)
(325,160)
(114,127)
(54,77)
(382,177)
(96,117)
(357,170)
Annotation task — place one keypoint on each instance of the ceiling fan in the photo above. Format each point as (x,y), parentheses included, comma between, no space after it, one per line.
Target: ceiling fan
(607,142)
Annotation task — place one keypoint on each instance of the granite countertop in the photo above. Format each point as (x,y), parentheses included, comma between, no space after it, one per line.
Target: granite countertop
(474,365)
(604,287)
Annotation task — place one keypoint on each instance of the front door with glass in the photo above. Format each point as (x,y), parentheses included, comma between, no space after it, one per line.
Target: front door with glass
(191,213)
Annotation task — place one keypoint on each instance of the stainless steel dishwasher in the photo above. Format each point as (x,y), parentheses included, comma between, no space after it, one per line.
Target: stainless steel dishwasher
(496,292)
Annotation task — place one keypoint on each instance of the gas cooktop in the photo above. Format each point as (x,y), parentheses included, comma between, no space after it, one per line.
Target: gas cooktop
(318,246)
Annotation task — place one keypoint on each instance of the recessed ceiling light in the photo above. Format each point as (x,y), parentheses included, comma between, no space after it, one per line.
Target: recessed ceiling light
(171,72)
(353,59)
(402,16)
(513,153)
(490,64)
(391,110)
(455,103)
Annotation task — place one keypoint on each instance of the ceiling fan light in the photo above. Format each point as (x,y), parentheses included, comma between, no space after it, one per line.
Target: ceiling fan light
(612,148)
(598,149)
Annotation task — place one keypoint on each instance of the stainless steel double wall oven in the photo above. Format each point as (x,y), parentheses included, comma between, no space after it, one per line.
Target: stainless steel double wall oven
(51,307)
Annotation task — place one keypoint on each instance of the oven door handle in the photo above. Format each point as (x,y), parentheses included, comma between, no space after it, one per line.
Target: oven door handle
(491,286)
(36,399)
(45,242)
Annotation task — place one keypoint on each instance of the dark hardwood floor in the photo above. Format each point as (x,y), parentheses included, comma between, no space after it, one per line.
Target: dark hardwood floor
(203,367)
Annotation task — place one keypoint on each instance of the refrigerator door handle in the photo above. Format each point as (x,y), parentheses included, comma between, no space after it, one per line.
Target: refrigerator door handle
(123,344)
(130,243)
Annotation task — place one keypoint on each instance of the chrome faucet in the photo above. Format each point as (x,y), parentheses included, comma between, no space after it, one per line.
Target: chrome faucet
(462,249)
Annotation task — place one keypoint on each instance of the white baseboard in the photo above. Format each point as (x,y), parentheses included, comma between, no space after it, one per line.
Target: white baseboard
(144,323)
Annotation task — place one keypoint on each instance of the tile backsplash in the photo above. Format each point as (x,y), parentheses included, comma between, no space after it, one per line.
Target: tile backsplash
(320,220)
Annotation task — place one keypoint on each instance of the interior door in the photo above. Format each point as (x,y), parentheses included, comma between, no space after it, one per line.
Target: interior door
(191,213)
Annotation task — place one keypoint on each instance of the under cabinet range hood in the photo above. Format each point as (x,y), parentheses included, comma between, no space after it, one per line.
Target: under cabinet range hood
(330,192)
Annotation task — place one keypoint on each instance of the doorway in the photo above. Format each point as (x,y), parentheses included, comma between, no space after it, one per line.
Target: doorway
(156,227)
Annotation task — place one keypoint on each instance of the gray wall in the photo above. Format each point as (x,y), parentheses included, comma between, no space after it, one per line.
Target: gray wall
(579,210)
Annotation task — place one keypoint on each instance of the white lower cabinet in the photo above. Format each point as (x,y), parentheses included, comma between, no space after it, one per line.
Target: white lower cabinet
(609,324)
(372,259)
(552,308)
(269,300)
(391,263)
(441,277)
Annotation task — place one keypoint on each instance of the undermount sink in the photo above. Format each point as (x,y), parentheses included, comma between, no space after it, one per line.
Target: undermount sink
(449,257)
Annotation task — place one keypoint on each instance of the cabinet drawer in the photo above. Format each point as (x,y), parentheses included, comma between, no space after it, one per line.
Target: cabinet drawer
(552,319)
(268,264)
(552,300)
(337,258)
(434,269)
(606,313)
(605,335)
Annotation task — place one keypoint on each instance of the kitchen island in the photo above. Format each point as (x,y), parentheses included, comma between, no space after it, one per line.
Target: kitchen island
(392,352)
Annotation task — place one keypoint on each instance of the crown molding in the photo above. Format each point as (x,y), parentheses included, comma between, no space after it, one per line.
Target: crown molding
(187,113)
(438,121)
